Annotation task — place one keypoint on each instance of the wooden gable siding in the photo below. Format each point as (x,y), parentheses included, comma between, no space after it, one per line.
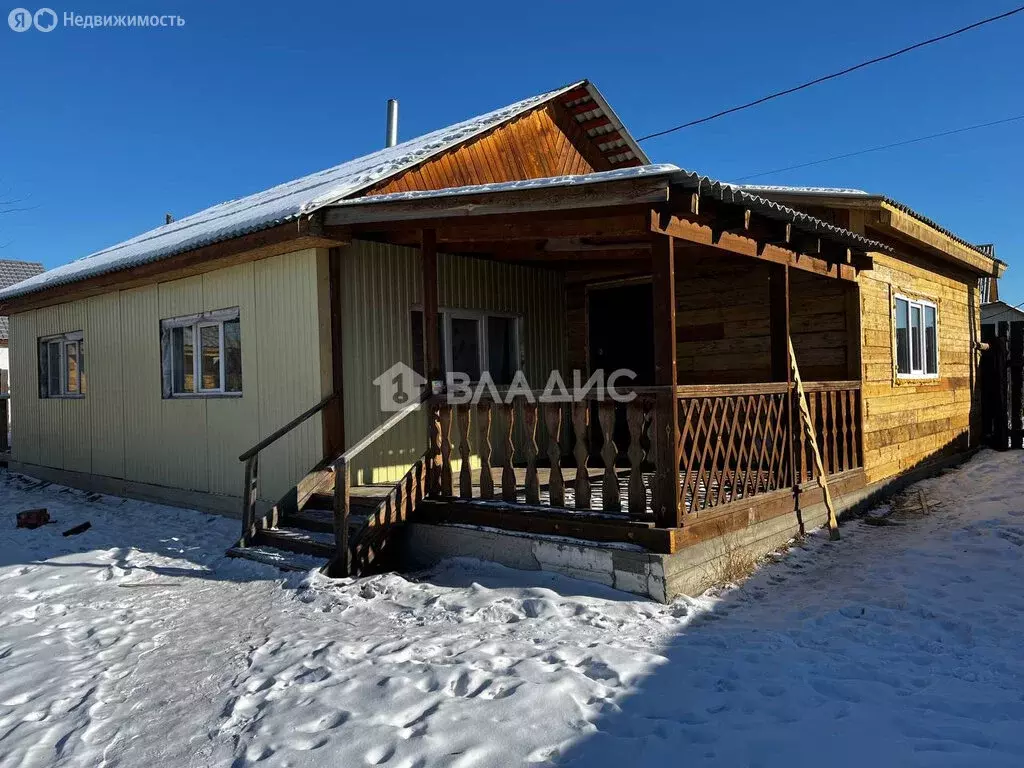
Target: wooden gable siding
(538,144)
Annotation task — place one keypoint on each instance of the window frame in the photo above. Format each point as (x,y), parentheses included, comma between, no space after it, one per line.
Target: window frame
(921,373)
(196,322)
(62,341)
(447,314)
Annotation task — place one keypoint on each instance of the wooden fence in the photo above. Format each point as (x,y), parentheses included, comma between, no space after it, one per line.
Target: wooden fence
(1001,380)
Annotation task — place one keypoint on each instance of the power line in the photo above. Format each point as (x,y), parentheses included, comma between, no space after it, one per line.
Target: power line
(881,147)
(834,75)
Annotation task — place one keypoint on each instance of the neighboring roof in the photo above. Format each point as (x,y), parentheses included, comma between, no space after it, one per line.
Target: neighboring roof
(303,196)
(769,190)
(995,311)
(673,174)
(11,273)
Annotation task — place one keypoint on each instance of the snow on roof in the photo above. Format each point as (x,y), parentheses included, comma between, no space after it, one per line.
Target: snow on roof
(838,191)
(729,193)
(860,193)
(276,205)
(632,172)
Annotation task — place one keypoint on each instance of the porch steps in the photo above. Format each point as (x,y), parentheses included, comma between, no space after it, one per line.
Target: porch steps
(308,532)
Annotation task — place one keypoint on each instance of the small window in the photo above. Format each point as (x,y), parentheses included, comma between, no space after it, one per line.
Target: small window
(472,343)
(202,354)
(62,365)
(917,341)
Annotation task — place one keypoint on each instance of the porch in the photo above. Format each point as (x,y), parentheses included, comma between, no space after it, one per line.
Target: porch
(698,290)
(708,293)
(739,454)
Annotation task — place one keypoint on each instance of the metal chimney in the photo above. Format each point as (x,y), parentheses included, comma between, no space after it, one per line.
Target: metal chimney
(392,136)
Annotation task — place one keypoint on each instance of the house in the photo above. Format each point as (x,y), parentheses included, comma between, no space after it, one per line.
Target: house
(300,356)
(926,286)
(11,273)
(995,312)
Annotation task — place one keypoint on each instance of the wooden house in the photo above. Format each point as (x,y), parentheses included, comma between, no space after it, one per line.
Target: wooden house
(238,359)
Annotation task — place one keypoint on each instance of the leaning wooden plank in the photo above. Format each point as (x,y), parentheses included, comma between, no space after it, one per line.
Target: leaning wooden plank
(805,419)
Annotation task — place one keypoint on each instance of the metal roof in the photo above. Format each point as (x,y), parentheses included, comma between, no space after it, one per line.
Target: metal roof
(862,195)
(673,174)
(303,196)
(748,196)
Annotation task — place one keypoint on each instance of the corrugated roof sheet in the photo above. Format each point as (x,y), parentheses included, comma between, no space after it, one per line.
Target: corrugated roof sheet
(738,193)
(279,204)
(727,193)
(860,193)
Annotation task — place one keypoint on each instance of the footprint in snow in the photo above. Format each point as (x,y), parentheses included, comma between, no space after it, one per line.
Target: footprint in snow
(379,754)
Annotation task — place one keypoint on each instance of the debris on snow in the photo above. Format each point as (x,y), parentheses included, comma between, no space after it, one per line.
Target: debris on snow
(33,518)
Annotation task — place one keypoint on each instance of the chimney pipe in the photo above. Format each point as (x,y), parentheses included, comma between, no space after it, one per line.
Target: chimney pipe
(168,218)
(392,136)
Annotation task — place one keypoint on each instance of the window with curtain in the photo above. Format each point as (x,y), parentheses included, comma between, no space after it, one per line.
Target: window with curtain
(202,354)
(62,365)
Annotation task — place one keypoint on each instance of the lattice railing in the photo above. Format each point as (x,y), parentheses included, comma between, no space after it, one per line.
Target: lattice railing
(734,443)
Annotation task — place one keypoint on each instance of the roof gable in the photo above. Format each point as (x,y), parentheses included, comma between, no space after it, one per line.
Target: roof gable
(541,143)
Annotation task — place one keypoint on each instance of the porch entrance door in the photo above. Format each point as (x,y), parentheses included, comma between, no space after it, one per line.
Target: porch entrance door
(620,321)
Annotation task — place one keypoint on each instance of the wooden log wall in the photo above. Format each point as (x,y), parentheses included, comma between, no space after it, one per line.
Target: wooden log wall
(723,322)
(909,421)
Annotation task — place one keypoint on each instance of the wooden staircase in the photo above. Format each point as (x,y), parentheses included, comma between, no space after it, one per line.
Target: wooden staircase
(323,516)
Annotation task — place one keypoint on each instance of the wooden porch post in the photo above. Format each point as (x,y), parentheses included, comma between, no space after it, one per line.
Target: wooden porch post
(778,318)
(782,368)
(668,507)
(334,414)
(431,356)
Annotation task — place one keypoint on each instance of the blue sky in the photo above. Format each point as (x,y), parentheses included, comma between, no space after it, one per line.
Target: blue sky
(102,131)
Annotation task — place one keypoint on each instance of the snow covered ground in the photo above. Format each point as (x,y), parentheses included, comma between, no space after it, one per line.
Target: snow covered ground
(137,644)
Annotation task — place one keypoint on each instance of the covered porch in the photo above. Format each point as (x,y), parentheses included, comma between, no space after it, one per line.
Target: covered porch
(697,288)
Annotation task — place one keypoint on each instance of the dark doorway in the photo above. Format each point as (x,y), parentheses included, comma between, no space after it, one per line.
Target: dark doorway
(620,324)
(621,327)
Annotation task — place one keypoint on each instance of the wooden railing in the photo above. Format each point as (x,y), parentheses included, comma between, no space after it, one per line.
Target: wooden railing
(250,491)
(835,408)
(734,442)
(353,558)
(524,463)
